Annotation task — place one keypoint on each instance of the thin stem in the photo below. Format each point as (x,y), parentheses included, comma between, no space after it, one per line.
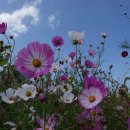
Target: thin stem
(76,65)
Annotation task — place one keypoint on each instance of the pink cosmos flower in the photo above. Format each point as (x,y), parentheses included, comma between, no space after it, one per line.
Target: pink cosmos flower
(91,52)
(49,125)
(94,115)
(57,41)
(129,104)
(128,122)
(93,82)
(93,93)
(35,60)
(3,28)
(89,64)
(72,55)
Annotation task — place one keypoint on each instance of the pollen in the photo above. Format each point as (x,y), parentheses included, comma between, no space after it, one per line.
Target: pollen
(91,98)
(36,62)
(28,93)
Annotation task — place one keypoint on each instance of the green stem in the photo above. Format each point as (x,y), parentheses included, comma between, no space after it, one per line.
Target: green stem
(76,65)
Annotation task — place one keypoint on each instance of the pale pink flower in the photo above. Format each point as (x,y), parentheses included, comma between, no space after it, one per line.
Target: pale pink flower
(9,96)
(93,93)
(35,60)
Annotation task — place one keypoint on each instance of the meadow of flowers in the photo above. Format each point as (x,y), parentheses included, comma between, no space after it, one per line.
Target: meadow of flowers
(40,90)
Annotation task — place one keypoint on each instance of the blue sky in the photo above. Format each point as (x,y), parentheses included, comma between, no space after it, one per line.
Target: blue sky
(40,20)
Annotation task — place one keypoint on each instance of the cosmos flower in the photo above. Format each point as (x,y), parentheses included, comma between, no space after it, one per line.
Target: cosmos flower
(64,87)
(89,64)
(32,113)
(72,55)
(11,124)
(76,37)
(9,96)
(35,60)
(93,82)
(3,27)
(27,91)
(103,35)
(128,122)
(91,52)
(92,94)
(55,67)
(67,97)
(124,53)
(94,113)
(57,41)
(89,98)
(49,125)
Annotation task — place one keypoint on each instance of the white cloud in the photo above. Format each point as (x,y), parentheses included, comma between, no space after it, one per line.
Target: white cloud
(53,20)
(15,20)
(10,1)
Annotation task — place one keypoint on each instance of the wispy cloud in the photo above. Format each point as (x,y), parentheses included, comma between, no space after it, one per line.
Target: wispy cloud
(16,20)
(10,1)
(53,20)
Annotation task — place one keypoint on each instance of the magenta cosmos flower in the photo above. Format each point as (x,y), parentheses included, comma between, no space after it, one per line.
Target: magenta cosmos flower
(128,122)
(91,52)
(92,94)
(49,125)
(124,53)
(3,28)
(35,60)
(72,55)
(89,64)
(57,41)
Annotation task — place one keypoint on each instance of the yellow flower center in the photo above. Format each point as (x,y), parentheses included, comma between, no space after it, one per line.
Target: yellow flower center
(36,62)
(67,101)
(93,113)
(91,98)
(69,78)
(28,93)
(46,128)
(10,98)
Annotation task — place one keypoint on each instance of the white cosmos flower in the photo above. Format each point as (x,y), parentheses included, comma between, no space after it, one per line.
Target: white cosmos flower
(67,97)
(76,37)
(68,60)
(64,87)
(1,69)
(55,67)
(32,114)
(27,91)
(9,96)
(11,124)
